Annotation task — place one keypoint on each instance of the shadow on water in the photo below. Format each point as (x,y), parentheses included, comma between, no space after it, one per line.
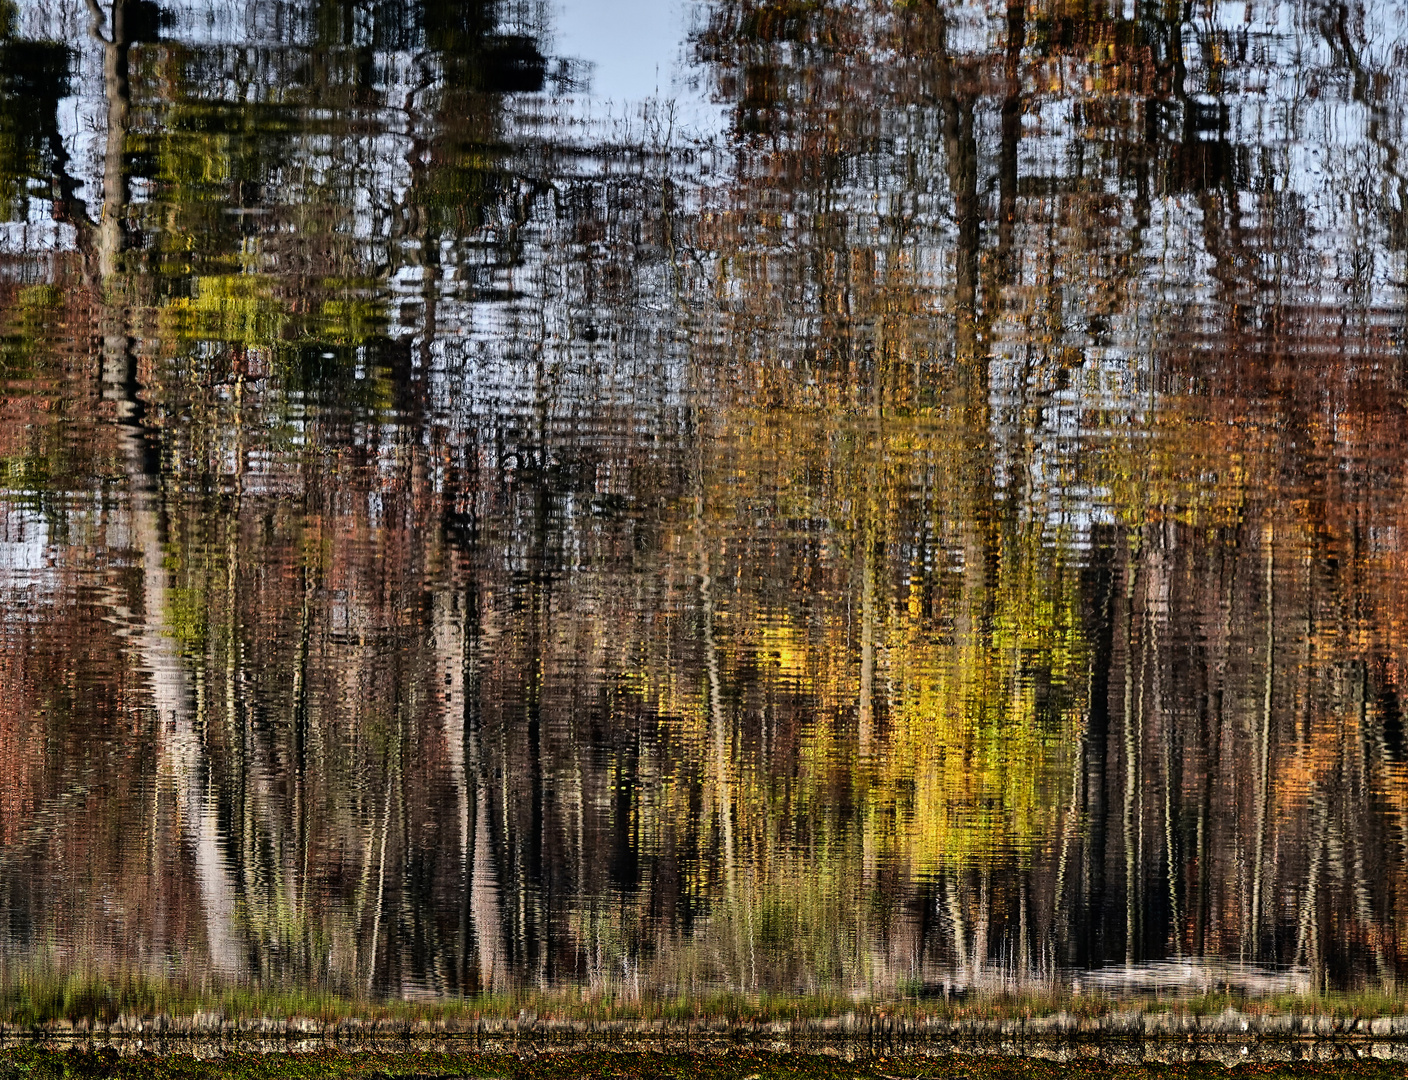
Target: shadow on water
(916,505)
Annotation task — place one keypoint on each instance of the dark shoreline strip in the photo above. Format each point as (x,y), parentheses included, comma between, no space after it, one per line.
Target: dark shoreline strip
(1229,1037)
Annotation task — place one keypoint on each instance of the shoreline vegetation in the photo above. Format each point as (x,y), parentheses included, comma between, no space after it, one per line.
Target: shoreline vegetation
(135,1027)
(104,1007)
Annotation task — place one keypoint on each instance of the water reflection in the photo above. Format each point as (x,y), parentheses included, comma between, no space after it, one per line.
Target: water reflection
(942,529)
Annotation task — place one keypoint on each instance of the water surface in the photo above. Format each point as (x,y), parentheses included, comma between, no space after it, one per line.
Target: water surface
(859,497)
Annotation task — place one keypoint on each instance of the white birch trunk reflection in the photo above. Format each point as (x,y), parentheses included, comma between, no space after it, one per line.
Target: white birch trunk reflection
(182,753)
(183,763)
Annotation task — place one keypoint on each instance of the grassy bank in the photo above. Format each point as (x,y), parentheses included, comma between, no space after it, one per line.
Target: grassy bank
(39,999)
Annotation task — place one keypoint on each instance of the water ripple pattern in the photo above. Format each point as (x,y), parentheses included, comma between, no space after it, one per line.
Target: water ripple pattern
(866,498)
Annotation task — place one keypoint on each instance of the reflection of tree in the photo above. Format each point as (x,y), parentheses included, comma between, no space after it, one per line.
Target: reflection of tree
(33,79)
(173,697)
(1133,778)
(922,555)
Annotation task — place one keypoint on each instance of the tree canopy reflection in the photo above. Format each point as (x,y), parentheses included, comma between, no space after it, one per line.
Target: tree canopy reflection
(942,530)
